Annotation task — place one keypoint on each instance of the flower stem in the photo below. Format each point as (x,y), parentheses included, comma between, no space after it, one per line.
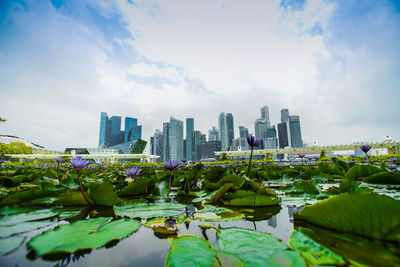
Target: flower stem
(251,155)
(170,182)
(81,187)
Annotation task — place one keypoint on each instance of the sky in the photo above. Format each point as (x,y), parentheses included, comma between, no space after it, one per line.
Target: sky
(336,64)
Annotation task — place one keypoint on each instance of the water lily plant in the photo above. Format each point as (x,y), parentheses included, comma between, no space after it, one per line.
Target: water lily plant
(78,164)
(58,160)
(171,166)
(365,149)
(132,172)
(252,141)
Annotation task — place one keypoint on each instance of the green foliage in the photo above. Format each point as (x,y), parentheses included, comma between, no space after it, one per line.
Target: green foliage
(103,194)
(145,211)
(383,178)
(15,148)
(370,215)
(358,171)
(309,186)
(88,234)
(9,244)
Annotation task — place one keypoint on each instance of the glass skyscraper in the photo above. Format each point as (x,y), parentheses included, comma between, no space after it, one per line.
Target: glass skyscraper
(265,115)
(175,139)
(165,152)
(223,131)
(132,130)
(105,130)
(229,125)
(295,131)
(189,137)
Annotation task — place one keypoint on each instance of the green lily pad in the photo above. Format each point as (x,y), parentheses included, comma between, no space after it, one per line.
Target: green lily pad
(313,252)
(152,210)
(383,178)
(254,201)
(370,215)
(73,199)
(257,249)
(190,251)
(9,244)
(103,194)
(88,234)
(27,217)
(211,213)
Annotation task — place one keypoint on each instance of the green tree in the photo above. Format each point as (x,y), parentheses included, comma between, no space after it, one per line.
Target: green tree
(2,120)
(15,148)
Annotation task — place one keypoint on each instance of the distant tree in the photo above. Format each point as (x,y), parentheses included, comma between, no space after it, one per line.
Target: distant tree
(2,120)
(15,148)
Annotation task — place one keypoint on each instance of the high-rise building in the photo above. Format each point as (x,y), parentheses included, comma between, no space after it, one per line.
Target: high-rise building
(165,152)
(223,131)
(175,139)
(284,115)
(261,128)
(157,148)
(244,133)
(213,135)
(151,145)
(116,133)
(208,149)
(295,131)
(283,136)
(196,138)
(231,131)
(235,144)
(132,130)
(105,130)
(189,134)
(265,115)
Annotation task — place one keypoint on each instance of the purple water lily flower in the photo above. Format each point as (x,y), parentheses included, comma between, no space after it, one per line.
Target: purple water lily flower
(252,141)
(391,166)
(365,148)
(78,163)
(393,159)
(59,160)
(132,172)
(171,165)
(302,155)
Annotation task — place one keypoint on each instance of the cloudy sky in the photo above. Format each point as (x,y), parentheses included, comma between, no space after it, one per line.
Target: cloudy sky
(336,64)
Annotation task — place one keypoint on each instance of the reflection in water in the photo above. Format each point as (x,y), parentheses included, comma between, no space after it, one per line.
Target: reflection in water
(272,222)
(292,210)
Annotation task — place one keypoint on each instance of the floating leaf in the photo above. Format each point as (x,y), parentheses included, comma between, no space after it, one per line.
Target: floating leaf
(88,234)
(313,252)
(383,178)
(211,213)
(369,215)
(254,201)
(103,194)
(359,171)
(152,210)
(74,199)
(193,251)
(9,244)
(257,249)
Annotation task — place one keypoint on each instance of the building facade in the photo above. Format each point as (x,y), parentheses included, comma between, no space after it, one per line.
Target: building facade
(295,131)
(265,115)
(230,128)
(165,153)
(189,138)
(223,131)
(175,139)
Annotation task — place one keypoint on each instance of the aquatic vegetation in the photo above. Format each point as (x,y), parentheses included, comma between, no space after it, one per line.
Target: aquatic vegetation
(78,163)
(252,141)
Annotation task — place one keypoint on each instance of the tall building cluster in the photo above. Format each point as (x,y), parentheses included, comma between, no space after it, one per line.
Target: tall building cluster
(112,136)
(173,142)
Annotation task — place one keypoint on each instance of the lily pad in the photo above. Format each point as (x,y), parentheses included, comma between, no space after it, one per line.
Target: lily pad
(152,210)
(313,252)
(73,199)
(211,213)
(190,251)
(9,244)
(257,249)
(88,234)
(103,194)
(370,215)
(254,201)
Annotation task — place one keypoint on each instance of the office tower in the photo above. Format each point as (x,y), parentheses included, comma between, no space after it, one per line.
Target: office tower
(295,131)
(235,144)
(116,134)
(283,135)
(203,138)
(265,115)
(157,148)
(189,133)
(208,149)
(271,131)
(196,138)
(213,134)
(261,128)
(132,130)
(165,151)
(229,125)
(284,115)
(175,139)
(151,145)
(223,131)
(244,133)
(105,130)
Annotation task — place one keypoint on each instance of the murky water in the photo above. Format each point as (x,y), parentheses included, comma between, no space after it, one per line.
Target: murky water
(144,248)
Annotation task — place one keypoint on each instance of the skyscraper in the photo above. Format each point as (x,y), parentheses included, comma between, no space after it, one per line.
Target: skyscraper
(175,139)
(158,144)
(105,130)
(223,131)
(284,115)
(165,153)
(132,130)
(261,128)
(196,137)
(189,137)
(116,133)
(265,115)
(213,134)
(229,125)
(283,135)
(244,133)
(295,131)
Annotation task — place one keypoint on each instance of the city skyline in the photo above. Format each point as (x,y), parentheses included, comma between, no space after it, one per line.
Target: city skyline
(334,63)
